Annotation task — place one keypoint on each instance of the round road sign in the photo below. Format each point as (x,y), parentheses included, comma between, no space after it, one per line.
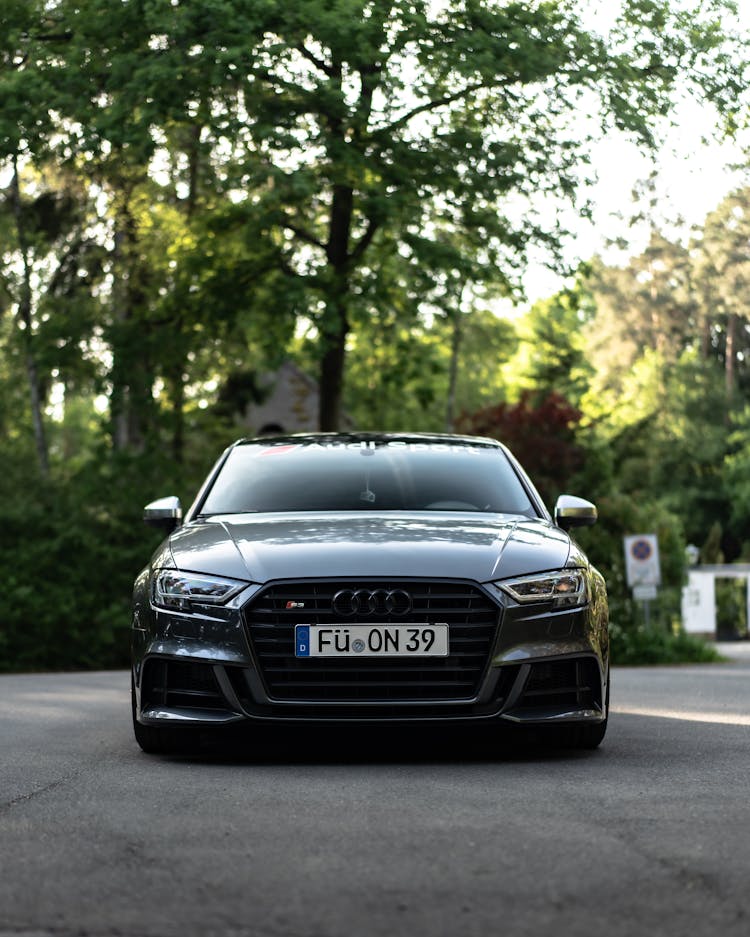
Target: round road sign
(641,550)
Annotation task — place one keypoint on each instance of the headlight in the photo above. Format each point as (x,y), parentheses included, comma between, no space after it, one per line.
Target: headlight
(565,588)
(172,588)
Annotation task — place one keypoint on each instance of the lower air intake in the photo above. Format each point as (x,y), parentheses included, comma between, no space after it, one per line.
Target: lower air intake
(180,684)
(563,684)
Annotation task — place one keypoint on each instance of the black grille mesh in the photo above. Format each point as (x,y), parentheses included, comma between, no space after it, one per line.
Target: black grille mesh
(471,616)
(567,683)
(182,684)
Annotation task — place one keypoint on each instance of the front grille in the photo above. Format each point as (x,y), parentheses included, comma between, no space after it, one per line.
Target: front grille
(180,684)
(471,616)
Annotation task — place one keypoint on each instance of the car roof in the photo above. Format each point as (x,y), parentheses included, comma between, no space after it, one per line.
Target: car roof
(445,439)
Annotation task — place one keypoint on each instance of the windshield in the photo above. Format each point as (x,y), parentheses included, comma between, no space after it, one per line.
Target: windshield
(368,475)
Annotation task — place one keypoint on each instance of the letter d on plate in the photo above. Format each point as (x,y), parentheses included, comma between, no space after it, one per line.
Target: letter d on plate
(302,641)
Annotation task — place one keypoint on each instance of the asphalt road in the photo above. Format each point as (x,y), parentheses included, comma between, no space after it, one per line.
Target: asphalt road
(323,834)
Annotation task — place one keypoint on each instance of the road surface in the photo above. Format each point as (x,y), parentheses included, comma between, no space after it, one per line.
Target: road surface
(358,834)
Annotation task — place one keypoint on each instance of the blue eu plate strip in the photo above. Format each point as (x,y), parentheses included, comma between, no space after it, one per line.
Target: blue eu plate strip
(302,641)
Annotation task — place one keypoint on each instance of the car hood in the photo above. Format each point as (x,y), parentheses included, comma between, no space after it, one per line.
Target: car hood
(394,545)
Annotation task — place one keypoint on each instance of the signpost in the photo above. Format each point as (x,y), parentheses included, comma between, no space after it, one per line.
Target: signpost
(642,568)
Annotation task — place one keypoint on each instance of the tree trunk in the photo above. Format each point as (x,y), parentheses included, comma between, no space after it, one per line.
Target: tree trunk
(35,394)
(177,399)
(456,337)
(335,325)
(730,356)
(705,327)
(132,376)
(24,314)
(119,403)
(332,372)
(176,374)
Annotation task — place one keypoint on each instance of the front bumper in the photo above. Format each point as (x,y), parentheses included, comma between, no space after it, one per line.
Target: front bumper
(537,666)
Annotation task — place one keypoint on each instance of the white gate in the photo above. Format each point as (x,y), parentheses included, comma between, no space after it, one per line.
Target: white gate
(699,596)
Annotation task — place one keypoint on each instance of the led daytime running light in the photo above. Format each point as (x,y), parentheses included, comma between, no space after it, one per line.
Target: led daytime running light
(563,588)
(178,590)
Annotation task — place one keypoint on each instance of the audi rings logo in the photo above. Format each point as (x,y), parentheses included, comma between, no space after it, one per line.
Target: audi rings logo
(350,602)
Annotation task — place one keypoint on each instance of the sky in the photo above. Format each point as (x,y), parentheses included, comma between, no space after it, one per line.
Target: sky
(693,174)
(692,177)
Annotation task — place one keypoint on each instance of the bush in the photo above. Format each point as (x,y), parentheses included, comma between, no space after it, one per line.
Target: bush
(70,547)
(641,645)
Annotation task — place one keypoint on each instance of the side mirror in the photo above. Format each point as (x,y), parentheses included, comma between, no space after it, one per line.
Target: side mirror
(166,513)
(574,512)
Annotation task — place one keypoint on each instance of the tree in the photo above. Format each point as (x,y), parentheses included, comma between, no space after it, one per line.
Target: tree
(553,354)
(650,304)
(472,130)
(25,125)
(722,261)
(542,436)
(347,124)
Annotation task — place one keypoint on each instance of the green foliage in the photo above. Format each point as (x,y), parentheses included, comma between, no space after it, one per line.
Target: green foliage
(639,645)
(70,554)
(71,546)
(736,477)
(398,373)
(201,189)
(620,515)
(553,356)
(357,130)
(723,277)
(731,609)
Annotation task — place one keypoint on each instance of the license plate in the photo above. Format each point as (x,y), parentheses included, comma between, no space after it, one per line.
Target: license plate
(404,640)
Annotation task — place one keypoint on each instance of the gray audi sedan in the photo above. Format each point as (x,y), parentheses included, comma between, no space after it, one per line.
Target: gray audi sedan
(371,578)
